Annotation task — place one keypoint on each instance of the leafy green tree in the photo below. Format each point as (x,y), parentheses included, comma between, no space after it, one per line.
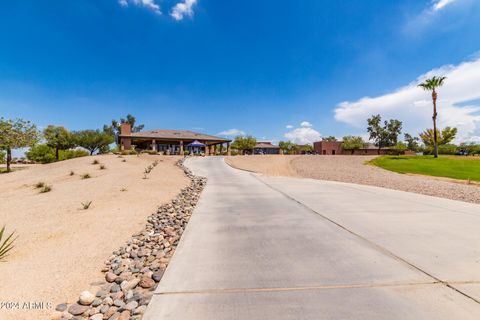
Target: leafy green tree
(243,143)
(330,138)
(400,147)
(448,148)
(16,134)
(114,128)
(442,138)
(288,147)
(353,143)
(470,148)
(2,156)
(93,140)
(385,135)
(58,138)
(431,85)
(412,142)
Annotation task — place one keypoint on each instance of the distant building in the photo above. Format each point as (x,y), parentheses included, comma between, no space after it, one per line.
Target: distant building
(336,148)
(266,147)
(173,142)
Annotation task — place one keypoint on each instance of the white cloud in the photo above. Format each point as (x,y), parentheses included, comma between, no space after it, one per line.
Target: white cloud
(440,4)
(232,132)
(303,135)
(458,103)
(149,4)
(306,124)
(182,9)
(289,126)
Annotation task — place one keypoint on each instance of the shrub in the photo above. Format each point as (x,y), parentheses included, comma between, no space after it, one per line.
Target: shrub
(152,152)
(95,161)
(42,153)
(102,167)
(124,160)
(2,156)
(86,176)
(46,188)
(7,244)
(123,189)
(86,205)
(72,173)
(39,185)
(447,149)
(128,152)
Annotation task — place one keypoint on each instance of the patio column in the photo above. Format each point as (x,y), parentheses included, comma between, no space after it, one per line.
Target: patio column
(229,152)
(154,145)
(207,151)
(181,147)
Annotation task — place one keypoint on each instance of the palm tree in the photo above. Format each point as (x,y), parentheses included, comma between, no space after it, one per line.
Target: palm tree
(431,85)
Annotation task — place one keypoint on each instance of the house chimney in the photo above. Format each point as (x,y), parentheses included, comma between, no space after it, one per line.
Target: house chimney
(125,128)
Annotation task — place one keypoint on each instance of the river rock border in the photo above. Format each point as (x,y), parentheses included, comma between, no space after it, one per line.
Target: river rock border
(133,271)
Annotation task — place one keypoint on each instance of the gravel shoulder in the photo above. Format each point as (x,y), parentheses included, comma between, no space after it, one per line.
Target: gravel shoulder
(62,248)
(353,169)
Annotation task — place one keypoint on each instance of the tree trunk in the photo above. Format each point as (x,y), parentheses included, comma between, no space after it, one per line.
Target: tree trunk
(378,151)
(9,159)
(56,154)
(434,118)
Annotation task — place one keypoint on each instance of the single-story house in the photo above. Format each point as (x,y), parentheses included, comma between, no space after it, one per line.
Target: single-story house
(173,142)
(266,147)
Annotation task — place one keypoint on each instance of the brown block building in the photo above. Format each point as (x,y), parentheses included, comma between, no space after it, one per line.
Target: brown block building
(336,148)
(173,142)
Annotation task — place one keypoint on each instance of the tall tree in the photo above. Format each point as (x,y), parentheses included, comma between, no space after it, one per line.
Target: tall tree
(431,85)
(412,142)
(288,147)
(386,135)
(58,138)
(16,134)
(93,140)
(243,143)
(353,143)
(442,137)
(114,128)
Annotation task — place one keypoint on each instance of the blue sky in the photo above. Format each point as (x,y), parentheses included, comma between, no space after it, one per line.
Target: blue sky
(276,69)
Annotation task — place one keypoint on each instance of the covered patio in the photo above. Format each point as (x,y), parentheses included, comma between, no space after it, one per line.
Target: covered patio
(173,142)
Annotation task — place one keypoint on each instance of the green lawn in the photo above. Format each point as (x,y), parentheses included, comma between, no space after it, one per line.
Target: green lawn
(455,167)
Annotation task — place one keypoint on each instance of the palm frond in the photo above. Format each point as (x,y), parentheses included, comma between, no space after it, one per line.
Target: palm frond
(7,244)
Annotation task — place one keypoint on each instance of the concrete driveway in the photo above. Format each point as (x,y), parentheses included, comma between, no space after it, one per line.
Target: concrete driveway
(283,248)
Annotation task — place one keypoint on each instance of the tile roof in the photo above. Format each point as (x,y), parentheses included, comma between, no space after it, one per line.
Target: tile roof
(173,135)
(266,145)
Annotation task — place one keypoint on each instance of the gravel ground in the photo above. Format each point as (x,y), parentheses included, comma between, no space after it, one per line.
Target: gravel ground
(353,169)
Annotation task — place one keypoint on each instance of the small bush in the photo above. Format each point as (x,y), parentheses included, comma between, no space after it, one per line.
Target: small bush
(151,152)
(7,244)
(123,189)
(46,188)
(86,205)
(145,176)
(102,167)
(128,152)
(124,160)
(39,185)
(86,176)
(95,161)
(72,173)
(42,153)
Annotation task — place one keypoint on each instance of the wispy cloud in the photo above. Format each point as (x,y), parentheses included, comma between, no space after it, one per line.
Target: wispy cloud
(232,132)
(440,4)
(149,4)
(305,134)
(182,9)
(289,126)
(458,104)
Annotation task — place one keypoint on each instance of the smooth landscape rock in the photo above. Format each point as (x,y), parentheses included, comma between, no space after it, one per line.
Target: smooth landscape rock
(86,298)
